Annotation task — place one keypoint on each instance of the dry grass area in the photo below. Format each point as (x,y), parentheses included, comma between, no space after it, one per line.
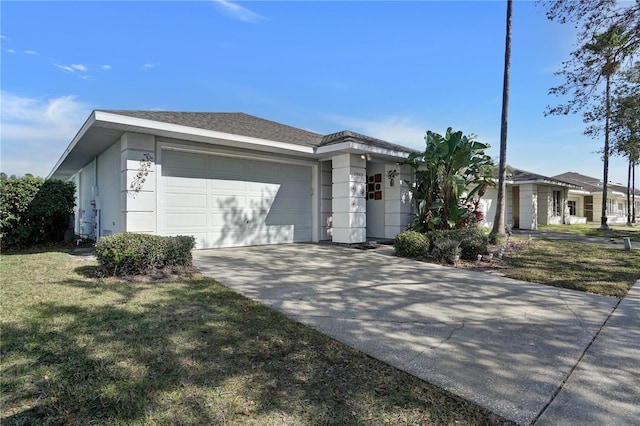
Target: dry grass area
(185,350)
(594,268)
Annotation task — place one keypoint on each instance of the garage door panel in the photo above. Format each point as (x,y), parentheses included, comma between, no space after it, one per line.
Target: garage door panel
(186,184)
(185,200)
(226,186)
(185,220)
(185,161)
(235,201)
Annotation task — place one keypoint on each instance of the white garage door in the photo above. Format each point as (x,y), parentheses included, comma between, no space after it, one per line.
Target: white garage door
(229,202)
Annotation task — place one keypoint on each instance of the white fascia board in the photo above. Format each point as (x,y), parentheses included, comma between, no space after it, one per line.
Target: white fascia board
(543,182)
(360,147)
(194,131)
(86,126)
(578,192)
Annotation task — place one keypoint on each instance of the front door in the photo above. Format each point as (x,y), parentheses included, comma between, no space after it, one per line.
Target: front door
(516,206)
(588,208)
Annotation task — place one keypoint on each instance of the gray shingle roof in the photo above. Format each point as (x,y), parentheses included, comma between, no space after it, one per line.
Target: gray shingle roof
(236,123)
(589,183)
(349,136)
(520,175)
(239,123)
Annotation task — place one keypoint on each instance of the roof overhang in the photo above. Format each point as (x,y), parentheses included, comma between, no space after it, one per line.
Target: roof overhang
(549,182)
(361,148)
(103,129)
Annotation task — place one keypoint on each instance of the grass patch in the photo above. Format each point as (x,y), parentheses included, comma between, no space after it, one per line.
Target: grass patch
(592,268)
(592,230)
(80,350)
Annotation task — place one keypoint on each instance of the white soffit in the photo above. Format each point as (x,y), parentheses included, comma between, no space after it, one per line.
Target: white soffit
(159,128)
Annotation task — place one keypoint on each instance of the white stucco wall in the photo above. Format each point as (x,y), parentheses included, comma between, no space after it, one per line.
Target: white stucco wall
(86,180)
(108,184)
(399,206)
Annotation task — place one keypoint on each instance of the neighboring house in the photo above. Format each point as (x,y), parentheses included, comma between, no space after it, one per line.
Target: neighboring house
(531,200)
(585,203)
(232,179)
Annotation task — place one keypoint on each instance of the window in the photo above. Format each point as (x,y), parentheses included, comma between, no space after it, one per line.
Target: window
(572,207)
(557,203)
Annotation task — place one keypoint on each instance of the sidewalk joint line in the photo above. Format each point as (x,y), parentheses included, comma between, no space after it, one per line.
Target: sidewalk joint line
(568,375)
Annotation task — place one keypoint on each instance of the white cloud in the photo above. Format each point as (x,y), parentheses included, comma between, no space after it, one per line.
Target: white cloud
(148,66)
(35,131)
(105,67)
(73,68)
(31,52)
(405,131)
(11,51)
(239,12)
(64,67)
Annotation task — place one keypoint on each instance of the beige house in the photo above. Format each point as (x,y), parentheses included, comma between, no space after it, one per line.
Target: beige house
(585,203)
(531,200)
(569,198)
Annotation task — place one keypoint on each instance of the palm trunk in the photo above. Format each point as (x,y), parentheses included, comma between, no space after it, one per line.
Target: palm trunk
(629,213)
(603,218)
(633,219)
(498,223)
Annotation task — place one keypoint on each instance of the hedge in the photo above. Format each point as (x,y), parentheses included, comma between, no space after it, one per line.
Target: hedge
(134,254)
(34,210)
(411,244)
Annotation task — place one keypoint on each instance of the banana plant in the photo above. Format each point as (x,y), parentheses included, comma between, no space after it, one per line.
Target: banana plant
(452,171)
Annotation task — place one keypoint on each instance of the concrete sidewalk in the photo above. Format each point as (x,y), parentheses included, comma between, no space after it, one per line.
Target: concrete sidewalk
(506,345)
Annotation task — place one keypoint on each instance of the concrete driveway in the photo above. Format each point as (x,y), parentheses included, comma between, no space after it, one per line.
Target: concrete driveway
(504,344)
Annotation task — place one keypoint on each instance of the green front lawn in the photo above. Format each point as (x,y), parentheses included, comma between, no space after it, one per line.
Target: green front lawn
(592,230)
(80,350)
(594,268)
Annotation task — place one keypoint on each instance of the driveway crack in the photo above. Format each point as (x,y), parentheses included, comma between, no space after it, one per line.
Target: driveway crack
(575,315)
(445,340)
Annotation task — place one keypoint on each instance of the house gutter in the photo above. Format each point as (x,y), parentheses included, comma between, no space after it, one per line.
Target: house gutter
(356,147)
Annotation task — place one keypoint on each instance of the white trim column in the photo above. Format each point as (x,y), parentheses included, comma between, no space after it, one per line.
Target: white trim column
(528,206)
(349,174)
(138,207)
(398,206)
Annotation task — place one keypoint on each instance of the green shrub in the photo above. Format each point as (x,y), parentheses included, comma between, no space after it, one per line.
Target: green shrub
(411,244)
(34,211)
(446,249)
(131,254)
(473,241)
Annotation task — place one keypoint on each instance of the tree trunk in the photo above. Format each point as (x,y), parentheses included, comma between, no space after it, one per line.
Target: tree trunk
(633,182)
(629,213)
(499,222)
(605,180)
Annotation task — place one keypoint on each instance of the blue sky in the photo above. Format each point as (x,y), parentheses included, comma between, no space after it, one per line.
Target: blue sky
(391,70)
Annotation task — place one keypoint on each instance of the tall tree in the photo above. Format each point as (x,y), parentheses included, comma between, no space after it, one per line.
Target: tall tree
(625,129)
(594,63)
(498,223)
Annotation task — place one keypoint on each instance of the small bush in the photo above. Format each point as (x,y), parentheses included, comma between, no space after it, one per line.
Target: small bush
(411,244)
(473,241)
(446,249)
(132,254)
